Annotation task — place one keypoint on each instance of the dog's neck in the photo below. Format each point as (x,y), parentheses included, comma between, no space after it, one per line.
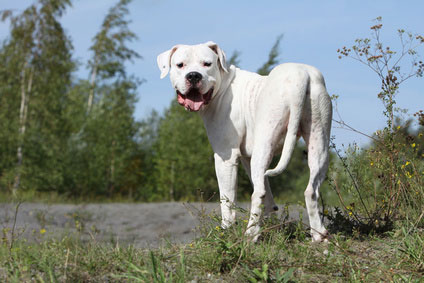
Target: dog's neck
(227,80)
(236,81)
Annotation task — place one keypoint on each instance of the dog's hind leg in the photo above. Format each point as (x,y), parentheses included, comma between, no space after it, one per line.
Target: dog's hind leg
(270,205)
(262,153)
(260,162)
(318,158)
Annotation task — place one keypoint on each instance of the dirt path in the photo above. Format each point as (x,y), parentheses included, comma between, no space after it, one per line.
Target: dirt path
(143,224)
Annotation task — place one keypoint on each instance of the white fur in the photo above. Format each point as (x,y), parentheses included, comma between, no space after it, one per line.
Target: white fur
(250,117)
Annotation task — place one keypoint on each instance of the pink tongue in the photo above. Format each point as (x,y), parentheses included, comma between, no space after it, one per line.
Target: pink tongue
(192,102)
(193,105)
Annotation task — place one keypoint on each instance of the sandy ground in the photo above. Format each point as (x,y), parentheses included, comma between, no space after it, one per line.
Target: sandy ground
(143,224)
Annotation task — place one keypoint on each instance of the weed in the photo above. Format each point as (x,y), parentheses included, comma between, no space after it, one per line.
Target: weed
(384,182)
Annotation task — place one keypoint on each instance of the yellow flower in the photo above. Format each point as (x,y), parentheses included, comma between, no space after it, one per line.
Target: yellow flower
(350,213)
(407,163)
(245,221)
(217,228)
(413,145)
(42,231)
(398,127)
(372,163)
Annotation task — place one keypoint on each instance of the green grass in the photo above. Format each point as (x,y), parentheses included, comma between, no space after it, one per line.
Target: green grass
(284,254)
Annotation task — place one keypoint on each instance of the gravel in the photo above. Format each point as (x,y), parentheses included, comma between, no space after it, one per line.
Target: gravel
(141,224)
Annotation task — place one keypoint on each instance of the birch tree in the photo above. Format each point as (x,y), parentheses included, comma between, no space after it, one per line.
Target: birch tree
(30,68)
(110,50)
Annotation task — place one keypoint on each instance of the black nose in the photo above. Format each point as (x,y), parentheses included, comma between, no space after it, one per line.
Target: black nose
(194,77)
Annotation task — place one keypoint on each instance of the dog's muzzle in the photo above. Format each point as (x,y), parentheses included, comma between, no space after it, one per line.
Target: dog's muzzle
(193,100)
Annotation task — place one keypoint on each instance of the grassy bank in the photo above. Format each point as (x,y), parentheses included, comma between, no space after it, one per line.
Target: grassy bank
(284,254)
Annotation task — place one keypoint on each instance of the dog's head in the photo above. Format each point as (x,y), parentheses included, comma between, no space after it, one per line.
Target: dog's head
(195,71)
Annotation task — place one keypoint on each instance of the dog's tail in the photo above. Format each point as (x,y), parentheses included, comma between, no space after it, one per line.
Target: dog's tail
(296,109)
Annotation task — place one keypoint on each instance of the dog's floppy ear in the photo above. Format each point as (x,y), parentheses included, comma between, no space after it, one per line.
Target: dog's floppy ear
(164,61)
(221,55)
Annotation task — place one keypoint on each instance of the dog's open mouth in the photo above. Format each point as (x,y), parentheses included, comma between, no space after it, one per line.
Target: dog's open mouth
(193,100)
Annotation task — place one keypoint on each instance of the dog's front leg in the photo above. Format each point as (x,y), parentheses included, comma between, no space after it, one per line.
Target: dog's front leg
(226,172)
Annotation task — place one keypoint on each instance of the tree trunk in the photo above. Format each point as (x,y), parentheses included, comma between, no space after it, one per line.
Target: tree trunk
(92,86)
(23,111)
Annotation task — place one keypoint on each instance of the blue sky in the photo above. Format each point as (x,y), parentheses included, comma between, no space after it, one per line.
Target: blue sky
(313,31)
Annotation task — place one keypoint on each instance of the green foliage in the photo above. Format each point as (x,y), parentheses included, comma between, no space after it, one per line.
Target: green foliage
(147,139)
(184,158)
(36,69)
(370,203)
(54,141)
(109,48)
(106,155)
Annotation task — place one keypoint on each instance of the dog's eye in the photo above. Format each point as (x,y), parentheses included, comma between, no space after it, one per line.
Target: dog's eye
(180,65)
(207,64)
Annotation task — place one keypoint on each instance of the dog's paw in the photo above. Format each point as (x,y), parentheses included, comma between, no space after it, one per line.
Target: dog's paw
(320,237)
(252,233)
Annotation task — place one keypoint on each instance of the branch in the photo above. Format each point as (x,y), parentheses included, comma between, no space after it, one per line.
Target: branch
(343,124)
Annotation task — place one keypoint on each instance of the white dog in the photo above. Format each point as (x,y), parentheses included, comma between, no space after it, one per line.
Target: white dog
(249,117)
